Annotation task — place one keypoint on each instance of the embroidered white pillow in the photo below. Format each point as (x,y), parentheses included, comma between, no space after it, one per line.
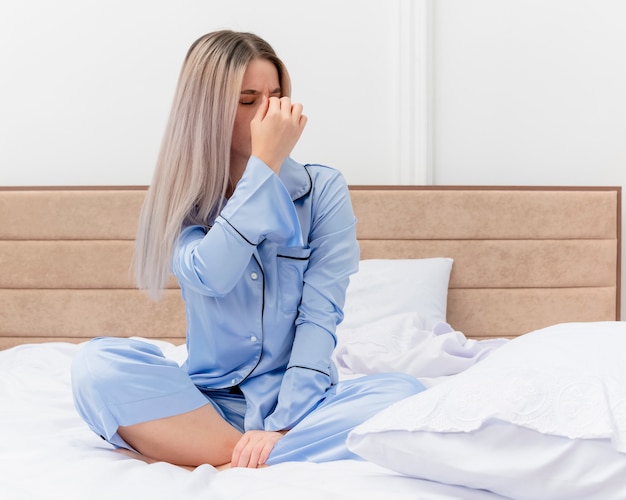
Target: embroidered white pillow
(543,416)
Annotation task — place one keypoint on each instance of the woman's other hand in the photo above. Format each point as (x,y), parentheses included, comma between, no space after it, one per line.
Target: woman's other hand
(275,130)
(254,448)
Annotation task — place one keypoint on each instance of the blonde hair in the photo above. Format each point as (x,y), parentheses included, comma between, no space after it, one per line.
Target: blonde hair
(191,177)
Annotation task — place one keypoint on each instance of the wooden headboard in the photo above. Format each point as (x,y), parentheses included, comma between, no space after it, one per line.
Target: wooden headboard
(524,257)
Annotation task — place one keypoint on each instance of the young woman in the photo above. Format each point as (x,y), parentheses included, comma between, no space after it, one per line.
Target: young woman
(262,248)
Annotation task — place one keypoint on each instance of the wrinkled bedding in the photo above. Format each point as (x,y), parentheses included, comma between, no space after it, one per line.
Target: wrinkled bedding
(47,451)
(540,416)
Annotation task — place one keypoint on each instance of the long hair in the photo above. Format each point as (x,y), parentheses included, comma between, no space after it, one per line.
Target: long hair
(191,177)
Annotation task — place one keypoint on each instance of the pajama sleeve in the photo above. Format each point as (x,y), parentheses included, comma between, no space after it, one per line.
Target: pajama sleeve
(334,257)
(212,263)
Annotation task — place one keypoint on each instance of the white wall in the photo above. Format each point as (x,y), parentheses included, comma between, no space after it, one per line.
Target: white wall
(530,92)
(397,91)
(86,85)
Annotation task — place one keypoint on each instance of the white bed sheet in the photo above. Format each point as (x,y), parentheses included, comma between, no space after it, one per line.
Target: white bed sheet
(47,452)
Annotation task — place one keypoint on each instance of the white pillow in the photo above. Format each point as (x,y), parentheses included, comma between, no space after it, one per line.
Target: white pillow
(543,416)
(384,287)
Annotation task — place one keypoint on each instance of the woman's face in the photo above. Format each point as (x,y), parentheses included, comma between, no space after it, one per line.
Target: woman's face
(260,79)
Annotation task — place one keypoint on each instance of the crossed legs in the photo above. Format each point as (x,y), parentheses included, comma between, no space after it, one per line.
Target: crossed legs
(133,397)
(190,439)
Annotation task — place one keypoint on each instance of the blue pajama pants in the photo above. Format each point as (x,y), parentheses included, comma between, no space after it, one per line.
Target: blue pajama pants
(119,382)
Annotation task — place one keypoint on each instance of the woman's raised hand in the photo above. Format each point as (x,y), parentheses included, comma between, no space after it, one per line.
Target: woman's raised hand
(275,130)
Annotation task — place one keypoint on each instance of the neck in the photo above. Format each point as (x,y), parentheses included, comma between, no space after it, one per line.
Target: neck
(237,168)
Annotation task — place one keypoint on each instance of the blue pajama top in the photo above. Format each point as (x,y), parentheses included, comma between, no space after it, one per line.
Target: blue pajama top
(264,289)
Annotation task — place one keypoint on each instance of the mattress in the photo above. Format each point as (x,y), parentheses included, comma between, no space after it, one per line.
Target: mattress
(540,416)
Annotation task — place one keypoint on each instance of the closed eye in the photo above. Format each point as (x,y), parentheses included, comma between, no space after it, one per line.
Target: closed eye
(249,97)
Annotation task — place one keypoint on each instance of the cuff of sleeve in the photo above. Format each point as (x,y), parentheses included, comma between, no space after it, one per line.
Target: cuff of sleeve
(312,348)
(300,393)
(261,207)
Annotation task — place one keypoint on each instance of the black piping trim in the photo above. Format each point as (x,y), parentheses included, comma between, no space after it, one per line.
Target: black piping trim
(307,368)
(308,191)
(292,258)
(247,240)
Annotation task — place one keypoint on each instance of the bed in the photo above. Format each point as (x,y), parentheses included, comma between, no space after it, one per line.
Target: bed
(504,301)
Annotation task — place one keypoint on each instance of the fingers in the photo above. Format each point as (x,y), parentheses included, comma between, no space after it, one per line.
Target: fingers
(254,448)
(239,454)
(302,121)
(283,106)
(264,452)
(245,456)
(262,109)
(275,130)
(297,116)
